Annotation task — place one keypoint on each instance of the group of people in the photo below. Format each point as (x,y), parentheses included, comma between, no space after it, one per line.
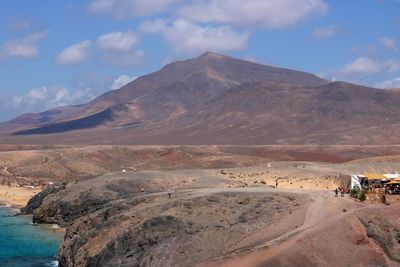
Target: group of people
(341,190)
(392,189)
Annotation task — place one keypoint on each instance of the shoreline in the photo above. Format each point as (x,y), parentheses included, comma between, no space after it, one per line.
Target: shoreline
(17,197)
(21,233)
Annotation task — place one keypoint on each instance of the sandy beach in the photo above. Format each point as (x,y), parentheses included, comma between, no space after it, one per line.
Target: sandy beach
(16,196)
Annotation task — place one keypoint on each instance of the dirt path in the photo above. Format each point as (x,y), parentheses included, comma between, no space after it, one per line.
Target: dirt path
(5,169)
(323,210)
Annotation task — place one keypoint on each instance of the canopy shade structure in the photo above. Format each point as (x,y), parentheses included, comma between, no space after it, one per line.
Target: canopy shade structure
(375,176)
(392,175)
(394,182)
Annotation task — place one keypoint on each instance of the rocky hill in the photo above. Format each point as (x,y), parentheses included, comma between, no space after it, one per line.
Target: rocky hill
(212,219)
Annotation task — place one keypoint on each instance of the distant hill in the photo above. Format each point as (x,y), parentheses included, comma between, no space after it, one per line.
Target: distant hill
(216,99)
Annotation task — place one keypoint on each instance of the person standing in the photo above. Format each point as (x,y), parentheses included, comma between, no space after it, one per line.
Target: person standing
(169,194)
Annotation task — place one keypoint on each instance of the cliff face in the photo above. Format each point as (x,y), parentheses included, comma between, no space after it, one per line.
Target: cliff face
(109,222)
(179,232)
(35,202)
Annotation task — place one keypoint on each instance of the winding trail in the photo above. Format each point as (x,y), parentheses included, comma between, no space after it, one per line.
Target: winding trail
(5,169)
(323,212)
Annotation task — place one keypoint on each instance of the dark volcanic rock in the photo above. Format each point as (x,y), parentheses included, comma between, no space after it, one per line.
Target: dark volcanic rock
(37,200)
(109,222)
(131,247)
(384,232)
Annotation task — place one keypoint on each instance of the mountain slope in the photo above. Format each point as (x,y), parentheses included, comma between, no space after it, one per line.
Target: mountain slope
(215,99)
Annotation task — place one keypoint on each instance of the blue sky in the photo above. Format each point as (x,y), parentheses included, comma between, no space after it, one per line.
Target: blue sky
(67,52)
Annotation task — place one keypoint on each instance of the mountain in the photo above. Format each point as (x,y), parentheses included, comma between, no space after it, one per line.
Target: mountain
(216,99)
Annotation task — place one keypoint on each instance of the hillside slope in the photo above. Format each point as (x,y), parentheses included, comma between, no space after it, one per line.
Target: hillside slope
(216,99)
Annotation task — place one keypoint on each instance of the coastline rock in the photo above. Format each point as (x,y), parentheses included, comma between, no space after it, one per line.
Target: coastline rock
(38,199)
(109,222)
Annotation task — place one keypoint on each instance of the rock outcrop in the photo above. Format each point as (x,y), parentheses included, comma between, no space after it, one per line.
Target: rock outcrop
(384,232)
(109,222)
(36,201)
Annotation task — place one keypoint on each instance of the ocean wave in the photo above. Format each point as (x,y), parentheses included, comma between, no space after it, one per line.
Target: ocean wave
(53,264)
(29,262)
(17,210)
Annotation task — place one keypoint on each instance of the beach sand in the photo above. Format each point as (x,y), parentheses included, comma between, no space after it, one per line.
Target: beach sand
(17,196)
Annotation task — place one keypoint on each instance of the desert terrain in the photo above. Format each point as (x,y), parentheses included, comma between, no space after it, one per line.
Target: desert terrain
(35,165)
(210,161)
(224,208)
(147,158)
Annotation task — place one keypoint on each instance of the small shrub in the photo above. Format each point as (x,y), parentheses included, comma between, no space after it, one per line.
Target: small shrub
(355,192)
(361,195)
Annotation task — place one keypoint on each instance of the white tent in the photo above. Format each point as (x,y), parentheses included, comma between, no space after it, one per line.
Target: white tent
(356,180)
(395,175)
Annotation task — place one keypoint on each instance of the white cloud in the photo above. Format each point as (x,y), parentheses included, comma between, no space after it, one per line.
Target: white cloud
(362,65)
(100,6)
(188,38)
(74,54)
(117,48)
(121,81)
(45,97)
(326,32)
(119,41)
(389,43)
(362,69)
(393,83)
(121,9)
(259,13)
(367,65)
(24,48)
(90,85)
(125,59)
(97,83)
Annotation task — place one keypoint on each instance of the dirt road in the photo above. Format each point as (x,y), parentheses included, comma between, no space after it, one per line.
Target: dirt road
(331,234)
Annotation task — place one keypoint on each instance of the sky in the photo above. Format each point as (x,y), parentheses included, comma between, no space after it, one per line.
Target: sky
(67,52)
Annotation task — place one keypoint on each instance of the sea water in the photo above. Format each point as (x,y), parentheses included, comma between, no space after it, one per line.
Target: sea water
(23,244)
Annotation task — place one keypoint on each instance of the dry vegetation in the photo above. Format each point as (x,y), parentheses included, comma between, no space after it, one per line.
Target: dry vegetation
(36,165)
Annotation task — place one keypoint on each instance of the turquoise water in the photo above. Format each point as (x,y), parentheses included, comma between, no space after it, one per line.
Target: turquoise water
(24,244)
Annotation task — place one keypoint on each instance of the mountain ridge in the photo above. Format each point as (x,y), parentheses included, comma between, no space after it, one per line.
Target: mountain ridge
(217,99)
